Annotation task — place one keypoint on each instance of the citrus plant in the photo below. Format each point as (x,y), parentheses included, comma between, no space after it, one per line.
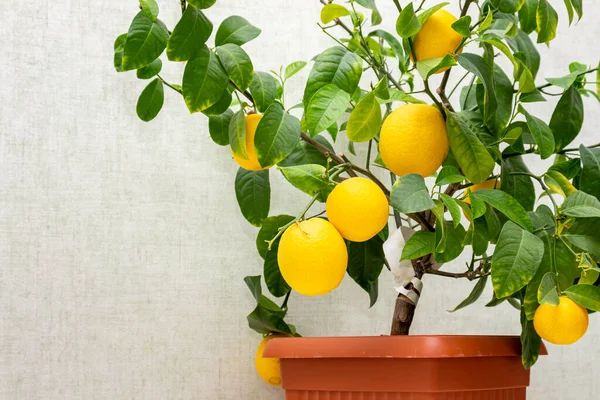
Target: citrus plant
(449,164)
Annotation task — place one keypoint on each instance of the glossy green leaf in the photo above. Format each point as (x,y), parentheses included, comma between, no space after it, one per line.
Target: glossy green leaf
(150,8)
(325,108)
(332,11)
(527,16)
(587,296)
(277,286)
(236,30)
(253,283)
(237,64)
(392,41)
(548,290)
(518,186)
(506,204)
(146,40)
(202,4)
(304,153)
(507,6)
(477,65)
(293,68)
(531,342)
(564,82)
(567,118)
(585,234)
(516,259)
(463,26)
(475,294)
(418,245)
(590,172)
(221,105)
(189,35)
(472,156)
(450,241)
(569,169)
(453,208)
(448,175)
(365,262)
(430,66)
(522,45)
(267,318)
(410,194)
(581,205)
(253,193)
(365,119)
(398,95)
(150,70)
(309,178)
(276,136)
(547,21)
(119,47)
(268,231)
(541,132)
(204,81)
(558,183)
(424,15)
(263,89)
(218,127)
(370,4)
(407,23)
(237,134)
(336,66)
(151,101)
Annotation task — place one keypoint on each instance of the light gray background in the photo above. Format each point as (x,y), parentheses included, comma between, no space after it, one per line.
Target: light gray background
(122,250)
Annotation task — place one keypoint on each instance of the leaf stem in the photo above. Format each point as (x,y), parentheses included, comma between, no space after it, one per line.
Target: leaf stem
(183,5)
(285,301)
(368,162)
(169,85)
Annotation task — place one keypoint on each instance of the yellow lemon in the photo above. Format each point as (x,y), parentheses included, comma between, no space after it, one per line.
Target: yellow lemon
(437,38)
(312,257)
(413,139)
(268,368)
(562,324)
(251,163)
(489,184)
(358,209)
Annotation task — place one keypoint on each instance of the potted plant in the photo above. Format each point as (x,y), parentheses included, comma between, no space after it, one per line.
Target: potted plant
(449,163)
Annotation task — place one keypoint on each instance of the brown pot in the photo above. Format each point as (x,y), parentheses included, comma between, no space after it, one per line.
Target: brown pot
(401,368)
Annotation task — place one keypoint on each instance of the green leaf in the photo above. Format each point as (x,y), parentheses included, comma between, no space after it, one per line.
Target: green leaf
(407,23)
(293,68)
(204,81)
(263,89)
(119,46)
(424,16)
(410,194)
(463,26)
(506,204)
(507,6)
(236,30)
(398,95)
(587,296)
(478,206)
(531,342)
(267,318)
(365,119)
(472,156)
(448,175)
(585,234)
(516,259)
(370,4)
(325,108)
(220,106)
(567,118)
(564,82)
(392,41)
(527,16)
(336,66)
(277,286)
(522,45)
(150,8)
(253,193)
(146,40)
(478,66)
(218,127)
(430,66)
(541,132)
(504,100)
(548,290)
(489,18)
(237,134)
(558,183)
(365,262)
(581,205)
(309,178)
(253,283)
(532,97)
(304,153)
(590,172)
(237,63)
(202,4)
(150,70)
(547,21)
(376,18)
(518,186)
(189,35)
(578,7)
(453,208)
(268,230)
(481,236)
(333,11)
(276,136)
(474,295)
(151,101)
(449,241)
(569,169)
(418,245)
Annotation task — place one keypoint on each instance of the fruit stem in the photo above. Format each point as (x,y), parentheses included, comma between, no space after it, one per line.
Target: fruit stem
(295,220)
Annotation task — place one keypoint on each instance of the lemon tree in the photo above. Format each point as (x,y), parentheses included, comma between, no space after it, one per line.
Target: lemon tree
(427,129)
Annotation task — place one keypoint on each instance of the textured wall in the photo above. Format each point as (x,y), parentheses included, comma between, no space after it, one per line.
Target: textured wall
(122,250)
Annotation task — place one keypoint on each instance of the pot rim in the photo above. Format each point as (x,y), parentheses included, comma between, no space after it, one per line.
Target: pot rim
(417,346)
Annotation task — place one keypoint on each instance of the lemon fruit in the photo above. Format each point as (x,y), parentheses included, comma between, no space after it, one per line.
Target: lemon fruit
(562,324)
(312,257)
(358,209)
(251,163)
(268,368)
(436,38)
(413,139)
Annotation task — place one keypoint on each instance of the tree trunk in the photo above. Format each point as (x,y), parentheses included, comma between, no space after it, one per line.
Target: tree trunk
(403,315)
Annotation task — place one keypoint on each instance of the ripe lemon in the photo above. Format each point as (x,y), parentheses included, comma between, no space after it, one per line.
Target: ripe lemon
(358,209)
(312,257)
(437,38)
(268,368)
(562,324)
(489,184)
(413,139)
(251,163)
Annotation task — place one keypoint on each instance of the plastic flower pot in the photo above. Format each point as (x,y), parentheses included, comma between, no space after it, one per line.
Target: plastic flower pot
(402,368)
